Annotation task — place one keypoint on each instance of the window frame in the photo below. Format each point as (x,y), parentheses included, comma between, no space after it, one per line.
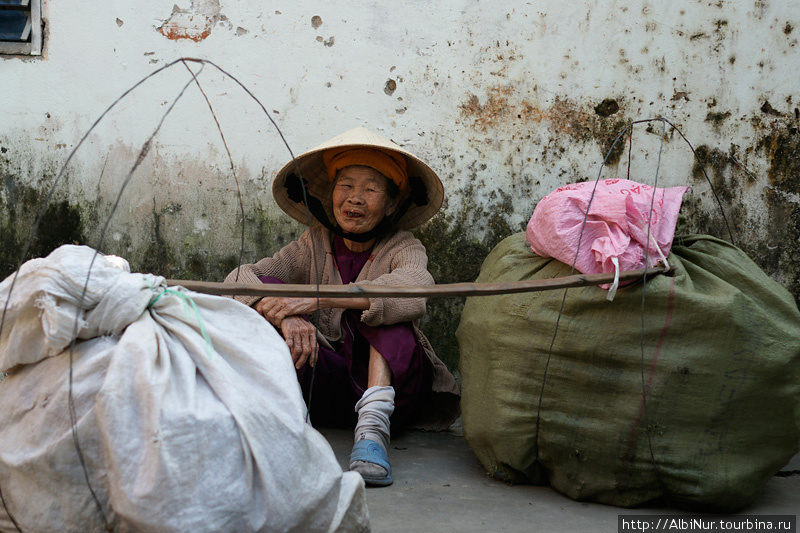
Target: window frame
(34,47)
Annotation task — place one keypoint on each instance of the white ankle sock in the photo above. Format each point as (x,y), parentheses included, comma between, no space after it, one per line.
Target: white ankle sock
(374,409)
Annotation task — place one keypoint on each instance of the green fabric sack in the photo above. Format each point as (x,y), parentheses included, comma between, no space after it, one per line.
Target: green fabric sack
(715,355)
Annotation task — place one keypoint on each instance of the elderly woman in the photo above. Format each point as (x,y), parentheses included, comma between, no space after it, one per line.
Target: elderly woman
(361,362)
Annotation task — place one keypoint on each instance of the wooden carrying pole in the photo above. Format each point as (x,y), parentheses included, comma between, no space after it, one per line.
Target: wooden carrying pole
(450,290)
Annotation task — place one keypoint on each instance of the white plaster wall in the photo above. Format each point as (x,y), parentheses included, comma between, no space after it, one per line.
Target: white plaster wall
(497,95)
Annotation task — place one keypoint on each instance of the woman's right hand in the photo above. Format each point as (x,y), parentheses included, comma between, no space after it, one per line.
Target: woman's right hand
(276,308)
(301,338)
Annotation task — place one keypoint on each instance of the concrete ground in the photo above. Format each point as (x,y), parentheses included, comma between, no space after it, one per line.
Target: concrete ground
(440,487)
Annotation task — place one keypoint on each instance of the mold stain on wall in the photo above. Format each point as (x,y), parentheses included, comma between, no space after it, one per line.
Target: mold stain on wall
(780,255)
(21,201)
(163,250)
(20,204)
(505,108)
(453,257)
(768,231)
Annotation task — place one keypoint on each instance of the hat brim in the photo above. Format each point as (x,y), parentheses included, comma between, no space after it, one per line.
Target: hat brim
(312,168)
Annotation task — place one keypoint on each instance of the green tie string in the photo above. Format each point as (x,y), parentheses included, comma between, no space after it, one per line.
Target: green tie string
(184,299)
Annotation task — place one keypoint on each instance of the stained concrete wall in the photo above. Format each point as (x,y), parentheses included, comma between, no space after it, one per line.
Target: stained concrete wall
(506,100)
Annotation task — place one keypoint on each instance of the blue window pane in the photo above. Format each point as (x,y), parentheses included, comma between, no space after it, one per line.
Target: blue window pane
(13,3)
(12,25)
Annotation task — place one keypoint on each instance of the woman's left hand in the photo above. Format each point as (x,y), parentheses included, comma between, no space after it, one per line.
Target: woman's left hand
(275,309)
(301,337)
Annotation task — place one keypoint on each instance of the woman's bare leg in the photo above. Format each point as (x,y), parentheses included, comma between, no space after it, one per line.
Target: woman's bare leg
(374,409)
(380,374)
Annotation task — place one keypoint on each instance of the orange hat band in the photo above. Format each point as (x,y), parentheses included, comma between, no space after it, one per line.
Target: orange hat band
(390,164)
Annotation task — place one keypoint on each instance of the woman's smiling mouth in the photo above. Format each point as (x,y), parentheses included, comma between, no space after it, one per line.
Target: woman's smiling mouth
(353,214)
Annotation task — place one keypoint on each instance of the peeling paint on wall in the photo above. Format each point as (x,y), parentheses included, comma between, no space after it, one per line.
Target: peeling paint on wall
(194,24)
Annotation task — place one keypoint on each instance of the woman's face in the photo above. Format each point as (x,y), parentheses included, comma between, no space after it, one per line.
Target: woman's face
(360,200)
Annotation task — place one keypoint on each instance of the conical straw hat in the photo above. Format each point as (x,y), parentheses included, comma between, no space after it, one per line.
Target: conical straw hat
(314,171)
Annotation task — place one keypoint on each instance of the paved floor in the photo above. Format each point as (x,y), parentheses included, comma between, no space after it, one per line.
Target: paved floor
(440,487)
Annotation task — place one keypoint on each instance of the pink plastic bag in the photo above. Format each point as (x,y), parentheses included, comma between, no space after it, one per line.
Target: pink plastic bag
(616,228)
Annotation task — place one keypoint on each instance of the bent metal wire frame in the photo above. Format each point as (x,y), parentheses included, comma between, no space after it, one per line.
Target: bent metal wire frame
(628,129)
(143,152)
(465,289)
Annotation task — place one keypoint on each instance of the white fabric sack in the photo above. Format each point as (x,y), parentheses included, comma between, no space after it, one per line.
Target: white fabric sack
(189,415)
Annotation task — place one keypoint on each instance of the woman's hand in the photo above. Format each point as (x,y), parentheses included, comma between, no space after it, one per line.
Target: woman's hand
(275,309)
(301,338)
(299,334)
